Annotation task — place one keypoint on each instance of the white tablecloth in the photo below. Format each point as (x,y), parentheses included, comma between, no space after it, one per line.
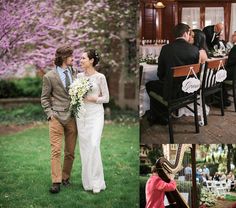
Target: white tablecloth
(149,73)
(151,50)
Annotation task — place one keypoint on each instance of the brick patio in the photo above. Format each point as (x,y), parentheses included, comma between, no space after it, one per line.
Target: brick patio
(220,129)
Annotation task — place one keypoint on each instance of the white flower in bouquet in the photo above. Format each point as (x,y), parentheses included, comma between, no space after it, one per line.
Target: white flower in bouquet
(77,91)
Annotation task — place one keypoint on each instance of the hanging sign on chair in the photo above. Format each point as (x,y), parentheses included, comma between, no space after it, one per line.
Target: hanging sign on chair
(191,84)
(221,74)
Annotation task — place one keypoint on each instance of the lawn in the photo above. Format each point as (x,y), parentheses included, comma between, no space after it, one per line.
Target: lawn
(25,171)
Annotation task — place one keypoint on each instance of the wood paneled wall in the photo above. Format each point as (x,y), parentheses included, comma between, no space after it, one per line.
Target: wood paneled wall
(159,23)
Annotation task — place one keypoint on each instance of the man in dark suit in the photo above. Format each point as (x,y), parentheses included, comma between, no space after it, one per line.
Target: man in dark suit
(231,63)
(212,33)
(231,68)
(178,53)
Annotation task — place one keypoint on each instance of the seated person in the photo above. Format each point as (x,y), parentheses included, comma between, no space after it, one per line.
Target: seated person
(230,44)
(155,190)
(222,43)
(191,37)
(231,62)
(231,68)
(216,177)
(178,53)
(230,177)
(200,42)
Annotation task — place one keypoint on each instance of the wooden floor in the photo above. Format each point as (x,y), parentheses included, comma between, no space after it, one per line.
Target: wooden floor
(220,129)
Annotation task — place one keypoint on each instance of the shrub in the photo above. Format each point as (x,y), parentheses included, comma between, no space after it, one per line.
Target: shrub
(144,169)
(30,87)
(22,114)
(26,87)
(8,89)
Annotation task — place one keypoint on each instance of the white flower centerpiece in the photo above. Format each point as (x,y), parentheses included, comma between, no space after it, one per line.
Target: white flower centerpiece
(77,91)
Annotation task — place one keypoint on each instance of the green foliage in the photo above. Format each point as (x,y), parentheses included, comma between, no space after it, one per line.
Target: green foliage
(22,114)
(25,171)
(26,87)
(155,153)
(8,89)
(213,168)
(207,198)
(145,169)
(229,197)
(27,113)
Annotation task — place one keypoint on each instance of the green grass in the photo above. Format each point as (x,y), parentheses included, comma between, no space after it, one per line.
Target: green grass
(25,171)
(28,113)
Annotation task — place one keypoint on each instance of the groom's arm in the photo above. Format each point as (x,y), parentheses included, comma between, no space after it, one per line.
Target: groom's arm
(46,97)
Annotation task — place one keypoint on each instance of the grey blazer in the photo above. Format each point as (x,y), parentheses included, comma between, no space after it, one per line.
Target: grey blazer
(55,99)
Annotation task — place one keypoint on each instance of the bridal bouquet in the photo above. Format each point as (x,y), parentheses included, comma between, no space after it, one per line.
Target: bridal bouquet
(77,91)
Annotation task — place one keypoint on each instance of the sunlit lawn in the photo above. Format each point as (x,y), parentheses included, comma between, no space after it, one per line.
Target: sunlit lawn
(25,171)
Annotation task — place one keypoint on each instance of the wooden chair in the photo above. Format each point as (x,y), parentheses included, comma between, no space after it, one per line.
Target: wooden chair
(232,85)
(210,86)
(140,75)
(174,98)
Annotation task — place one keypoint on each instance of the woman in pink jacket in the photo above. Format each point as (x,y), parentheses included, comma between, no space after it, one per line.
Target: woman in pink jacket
(155,190)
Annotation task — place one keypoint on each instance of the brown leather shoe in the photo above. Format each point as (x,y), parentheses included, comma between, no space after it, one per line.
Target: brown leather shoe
(65,182)
(55,188)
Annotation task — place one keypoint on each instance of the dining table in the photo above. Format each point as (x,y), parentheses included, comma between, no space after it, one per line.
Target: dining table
(149,74)
(152,50)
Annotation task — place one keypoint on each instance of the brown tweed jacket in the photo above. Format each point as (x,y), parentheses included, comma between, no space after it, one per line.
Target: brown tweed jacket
(55,99)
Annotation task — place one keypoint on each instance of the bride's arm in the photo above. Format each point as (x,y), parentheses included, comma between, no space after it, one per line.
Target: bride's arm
(104,95)
(104,98)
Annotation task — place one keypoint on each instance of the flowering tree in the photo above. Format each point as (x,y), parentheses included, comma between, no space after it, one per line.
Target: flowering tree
(32,30)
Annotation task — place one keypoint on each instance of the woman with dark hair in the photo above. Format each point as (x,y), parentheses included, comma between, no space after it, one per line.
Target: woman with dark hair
(90,124)
(200,42)
(155,190)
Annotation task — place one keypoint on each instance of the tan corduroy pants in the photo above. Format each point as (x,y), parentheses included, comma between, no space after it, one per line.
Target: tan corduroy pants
(56,133)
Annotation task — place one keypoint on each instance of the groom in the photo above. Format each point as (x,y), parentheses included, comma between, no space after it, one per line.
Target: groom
(55,101)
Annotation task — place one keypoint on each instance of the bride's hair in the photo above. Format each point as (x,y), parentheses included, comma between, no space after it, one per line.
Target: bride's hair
(93,54)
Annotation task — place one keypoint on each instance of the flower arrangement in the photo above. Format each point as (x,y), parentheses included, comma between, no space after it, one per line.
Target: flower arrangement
(77,91)
(149,59)
(207,198)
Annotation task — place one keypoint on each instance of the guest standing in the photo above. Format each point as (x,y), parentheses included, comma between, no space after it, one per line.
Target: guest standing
(212,33)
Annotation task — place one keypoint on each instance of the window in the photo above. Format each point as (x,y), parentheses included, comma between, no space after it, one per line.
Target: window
(214,15)
(191,16)
(173,146)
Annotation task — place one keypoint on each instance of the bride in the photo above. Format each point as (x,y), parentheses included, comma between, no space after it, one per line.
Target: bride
(90,124)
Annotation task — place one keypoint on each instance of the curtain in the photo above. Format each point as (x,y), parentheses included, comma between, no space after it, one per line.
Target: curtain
(214,15)
(233,20)
(191,16)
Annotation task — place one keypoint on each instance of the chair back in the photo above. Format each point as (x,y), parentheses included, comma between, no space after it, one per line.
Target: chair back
(209,73)
(174,83)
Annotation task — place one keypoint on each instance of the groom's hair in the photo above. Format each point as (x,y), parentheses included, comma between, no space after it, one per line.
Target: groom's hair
(62,53)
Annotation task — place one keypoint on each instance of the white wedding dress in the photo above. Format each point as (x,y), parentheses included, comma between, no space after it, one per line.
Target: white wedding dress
(90,125)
